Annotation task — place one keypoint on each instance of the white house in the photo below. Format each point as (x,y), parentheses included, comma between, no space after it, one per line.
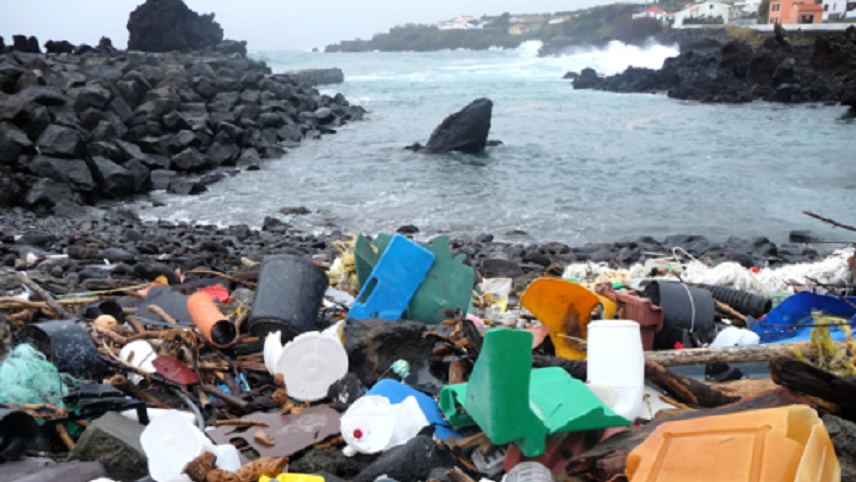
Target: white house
(652,12)
(748,7)
(836,11)
(464,22)
(705,11)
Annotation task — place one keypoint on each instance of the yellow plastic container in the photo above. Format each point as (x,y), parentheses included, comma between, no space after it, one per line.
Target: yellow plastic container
(565,307)
(293,478)
(786,444)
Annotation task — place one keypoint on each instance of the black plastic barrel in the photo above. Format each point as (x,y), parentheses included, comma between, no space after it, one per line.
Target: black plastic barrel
(17,430)
(67,346)
(685,309)
(746,303)
(288,296)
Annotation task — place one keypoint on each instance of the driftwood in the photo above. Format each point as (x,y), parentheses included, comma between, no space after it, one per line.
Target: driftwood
(133,391)
(608,459)
(95,284)
(692,356)
(803,377)
(51,302)
(686,390)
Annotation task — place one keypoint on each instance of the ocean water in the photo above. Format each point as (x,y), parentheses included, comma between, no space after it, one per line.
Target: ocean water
(576,166)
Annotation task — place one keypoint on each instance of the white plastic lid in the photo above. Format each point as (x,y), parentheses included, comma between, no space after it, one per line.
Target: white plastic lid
(310,364)
(368,424)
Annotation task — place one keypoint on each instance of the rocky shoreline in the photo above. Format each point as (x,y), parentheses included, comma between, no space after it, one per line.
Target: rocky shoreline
(80,124)
(778,70)
(92,249)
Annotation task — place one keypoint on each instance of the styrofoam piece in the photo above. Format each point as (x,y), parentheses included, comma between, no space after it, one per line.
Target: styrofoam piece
(310,364)
(143,354)
(272,349)
(615,358)
(733,336)
(372,424)
(157,412)
(170,442)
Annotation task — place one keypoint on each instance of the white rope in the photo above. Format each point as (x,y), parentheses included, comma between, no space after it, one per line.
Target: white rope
(692,304)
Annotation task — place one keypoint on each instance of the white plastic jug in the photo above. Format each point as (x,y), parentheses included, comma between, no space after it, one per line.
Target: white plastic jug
(373,424)
(171,442)
(140,354)
(310,364)
(615,358)
(733,336)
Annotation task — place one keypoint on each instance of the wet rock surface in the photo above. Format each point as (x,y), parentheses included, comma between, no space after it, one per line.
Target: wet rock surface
(780,69)
(97,123)
(464,131)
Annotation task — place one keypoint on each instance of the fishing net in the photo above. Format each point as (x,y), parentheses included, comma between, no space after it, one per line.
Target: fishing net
(27,377)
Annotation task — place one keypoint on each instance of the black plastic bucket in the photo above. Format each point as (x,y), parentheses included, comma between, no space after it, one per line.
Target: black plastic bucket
(288,296)
(685,309)
(745,303)
(17,430)
(67,346)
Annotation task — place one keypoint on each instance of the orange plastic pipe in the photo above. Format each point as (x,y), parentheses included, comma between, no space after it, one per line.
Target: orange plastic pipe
(215,327)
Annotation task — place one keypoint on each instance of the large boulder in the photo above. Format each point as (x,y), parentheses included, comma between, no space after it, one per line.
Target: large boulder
(168,25)
(588,79)
(59,141)
(68,171)
(113,179)
(464,131)
(373,345)
(114,441)
(13,141)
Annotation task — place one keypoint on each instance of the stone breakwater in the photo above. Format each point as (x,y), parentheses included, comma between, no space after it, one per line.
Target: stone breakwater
(139,250)
(780,69)
(103,124)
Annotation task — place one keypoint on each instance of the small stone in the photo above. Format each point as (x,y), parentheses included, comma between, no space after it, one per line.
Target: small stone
(264,438)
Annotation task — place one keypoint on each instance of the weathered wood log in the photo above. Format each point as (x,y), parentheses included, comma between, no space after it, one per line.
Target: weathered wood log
(95,284)
(686,390)
(811,380)
(609,458)
(692,356)
(52,303)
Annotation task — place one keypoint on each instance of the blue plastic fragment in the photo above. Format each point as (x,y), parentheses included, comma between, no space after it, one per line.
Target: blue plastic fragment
(796,310)
(396,392)
(394,281)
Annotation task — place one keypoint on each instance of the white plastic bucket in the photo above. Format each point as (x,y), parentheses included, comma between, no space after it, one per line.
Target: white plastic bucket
(171,442)
(733,336)
(615,358)
(140,354)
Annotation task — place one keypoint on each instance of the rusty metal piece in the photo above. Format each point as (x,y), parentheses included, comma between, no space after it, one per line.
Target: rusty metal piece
(292,433)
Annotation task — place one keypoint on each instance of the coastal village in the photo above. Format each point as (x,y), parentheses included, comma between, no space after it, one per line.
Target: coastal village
(744,13)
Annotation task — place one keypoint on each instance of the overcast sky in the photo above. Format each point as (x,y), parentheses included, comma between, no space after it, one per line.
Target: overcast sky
(265,24)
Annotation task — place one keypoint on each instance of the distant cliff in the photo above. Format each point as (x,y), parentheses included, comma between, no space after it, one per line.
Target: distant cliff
(595,26)
(425,38)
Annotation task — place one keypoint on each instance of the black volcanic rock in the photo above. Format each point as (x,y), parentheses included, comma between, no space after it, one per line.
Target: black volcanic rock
(464,131)
(168,25)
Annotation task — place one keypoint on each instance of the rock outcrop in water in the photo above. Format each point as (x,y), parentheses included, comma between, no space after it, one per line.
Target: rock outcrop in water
(169,25)
(778,70)
(464,131)
(104,124)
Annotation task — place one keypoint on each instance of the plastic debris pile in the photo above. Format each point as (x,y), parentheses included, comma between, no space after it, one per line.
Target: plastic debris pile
(398,361)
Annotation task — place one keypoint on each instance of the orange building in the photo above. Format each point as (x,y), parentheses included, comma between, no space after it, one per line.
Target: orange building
(796,11)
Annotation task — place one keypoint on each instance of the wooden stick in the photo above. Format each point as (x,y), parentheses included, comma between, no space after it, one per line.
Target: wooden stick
(111,334)
(133,391)
(135,324)
(829,221)
(731,312)
(240,423)
(693,356)
(66,438)
(10,303)
(51,302)
(227,398)
(163,314)
(222,275)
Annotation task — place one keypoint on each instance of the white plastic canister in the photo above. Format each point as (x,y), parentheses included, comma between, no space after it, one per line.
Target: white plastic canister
(615,358)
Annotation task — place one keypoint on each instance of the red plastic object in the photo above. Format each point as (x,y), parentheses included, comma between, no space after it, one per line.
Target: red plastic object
(638,309)
(175,370)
